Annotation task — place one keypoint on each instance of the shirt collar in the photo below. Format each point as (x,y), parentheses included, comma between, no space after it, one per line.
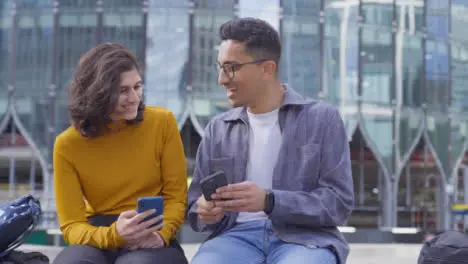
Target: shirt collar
(291,97)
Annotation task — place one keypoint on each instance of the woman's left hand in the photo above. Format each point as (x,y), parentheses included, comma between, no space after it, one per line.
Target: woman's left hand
(153,240)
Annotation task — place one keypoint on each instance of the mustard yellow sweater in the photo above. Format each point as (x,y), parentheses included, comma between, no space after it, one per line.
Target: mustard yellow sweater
(107,175)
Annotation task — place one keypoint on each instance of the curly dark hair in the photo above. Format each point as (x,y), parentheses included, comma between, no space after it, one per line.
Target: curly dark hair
(94,89)
(261,40)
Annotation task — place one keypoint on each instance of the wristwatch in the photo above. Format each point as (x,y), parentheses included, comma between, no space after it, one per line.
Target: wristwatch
(269,202)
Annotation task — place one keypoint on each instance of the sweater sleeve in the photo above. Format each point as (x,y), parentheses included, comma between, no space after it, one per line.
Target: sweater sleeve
(71,207)
(174,175)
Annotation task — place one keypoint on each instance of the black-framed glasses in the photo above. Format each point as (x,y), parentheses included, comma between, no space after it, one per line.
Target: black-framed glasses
(230,68)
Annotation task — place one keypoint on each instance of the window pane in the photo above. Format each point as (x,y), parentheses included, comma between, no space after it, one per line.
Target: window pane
(340,73)
(123,23)
(33,76)
(167,56)
(76,34)
(437,75)
(300,66)
(5,37)
(377,66)
(410,15)
(209,97)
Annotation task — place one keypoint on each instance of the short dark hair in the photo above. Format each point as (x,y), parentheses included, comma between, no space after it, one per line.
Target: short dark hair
(261,40)
(95,87)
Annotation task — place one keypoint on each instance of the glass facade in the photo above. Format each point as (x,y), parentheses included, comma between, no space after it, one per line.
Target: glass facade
(167,34)
(396,70)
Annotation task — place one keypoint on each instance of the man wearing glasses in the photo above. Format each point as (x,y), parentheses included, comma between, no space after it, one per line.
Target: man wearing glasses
(286,159)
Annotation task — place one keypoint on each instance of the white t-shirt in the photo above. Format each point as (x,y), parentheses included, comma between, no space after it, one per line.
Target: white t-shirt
(264,146)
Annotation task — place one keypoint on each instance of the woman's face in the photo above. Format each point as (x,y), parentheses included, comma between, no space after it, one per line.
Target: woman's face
(131,91)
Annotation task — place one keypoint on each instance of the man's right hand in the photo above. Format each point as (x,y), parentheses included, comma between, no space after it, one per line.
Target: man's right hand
(131,227)
(208,212)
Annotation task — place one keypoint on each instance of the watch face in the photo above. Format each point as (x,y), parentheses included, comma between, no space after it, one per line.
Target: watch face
(269,202)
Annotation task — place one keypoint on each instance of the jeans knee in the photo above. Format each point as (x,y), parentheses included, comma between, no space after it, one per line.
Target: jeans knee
(206,257)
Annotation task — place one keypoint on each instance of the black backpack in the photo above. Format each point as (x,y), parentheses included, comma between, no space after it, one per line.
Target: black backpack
(450,247)
(18,218)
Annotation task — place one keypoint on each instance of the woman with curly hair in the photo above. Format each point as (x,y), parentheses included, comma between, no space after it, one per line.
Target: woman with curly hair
(117,151)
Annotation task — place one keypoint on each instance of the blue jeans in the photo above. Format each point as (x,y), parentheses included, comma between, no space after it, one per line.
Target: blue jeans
(256,243)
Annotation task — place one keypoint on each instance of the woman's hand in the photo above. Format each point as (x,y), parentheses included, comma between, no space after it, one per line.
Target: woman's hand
(153,240)
(133,229)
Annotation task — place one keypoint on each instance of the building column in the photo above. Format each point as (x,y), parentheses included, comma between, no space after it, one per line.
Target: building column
(386,199)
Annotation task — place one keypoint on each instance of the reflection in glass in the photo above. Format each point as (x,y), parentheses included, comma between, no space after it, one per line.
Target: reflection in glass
(377,66)
(409,71)
(439,132)
(458,137)
(459,77)
(341,60)
(368,182)
(377,53)
(75,36)
(377,14)
(300,66)
(123,23)
(410,15)
(209,98)
(166,77)
(437,74)
(437,56)
(459,73)
(33,69)
(341,54)
(5,35)
(437,88)
(409,75)
(437,5)
(3,97)
(409,125)
(379,130)
(409,53)
(438,26)
(458,11)
(418,196)
(459,56)
(31,78)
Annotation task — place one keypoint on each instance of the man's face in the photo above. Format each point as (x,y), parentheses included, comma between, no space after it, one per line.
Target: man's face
(243,83)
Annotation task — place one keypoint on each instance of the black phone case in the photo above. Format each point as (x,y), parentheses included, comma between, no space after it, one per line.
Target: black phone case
(213,182)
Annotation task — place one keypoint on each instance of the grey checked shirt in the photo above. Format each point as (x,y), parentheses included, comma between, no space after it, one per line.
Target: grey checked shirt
(312,180)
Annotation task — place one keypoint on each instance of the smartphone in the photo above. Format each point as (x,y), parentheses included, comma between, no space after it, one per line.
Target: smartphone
(148,203)
(213,182)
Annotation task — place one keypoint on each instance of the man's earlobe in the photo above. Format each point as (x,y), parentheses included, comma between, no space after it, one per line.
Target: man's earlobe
(270,68)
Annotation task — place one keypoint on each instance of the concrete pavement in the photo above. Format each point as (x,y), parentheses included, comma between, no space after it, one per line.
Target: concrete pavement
(360,253)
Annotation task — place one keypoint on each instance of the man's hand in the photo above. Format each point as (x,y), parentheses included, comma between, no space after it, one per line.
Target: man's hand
(246,197)
(208,212)
(131,227)
(153,240)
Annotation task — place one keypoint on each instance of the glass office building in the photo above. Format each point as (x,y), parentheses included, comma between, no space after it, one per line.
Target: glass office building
(396,69)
